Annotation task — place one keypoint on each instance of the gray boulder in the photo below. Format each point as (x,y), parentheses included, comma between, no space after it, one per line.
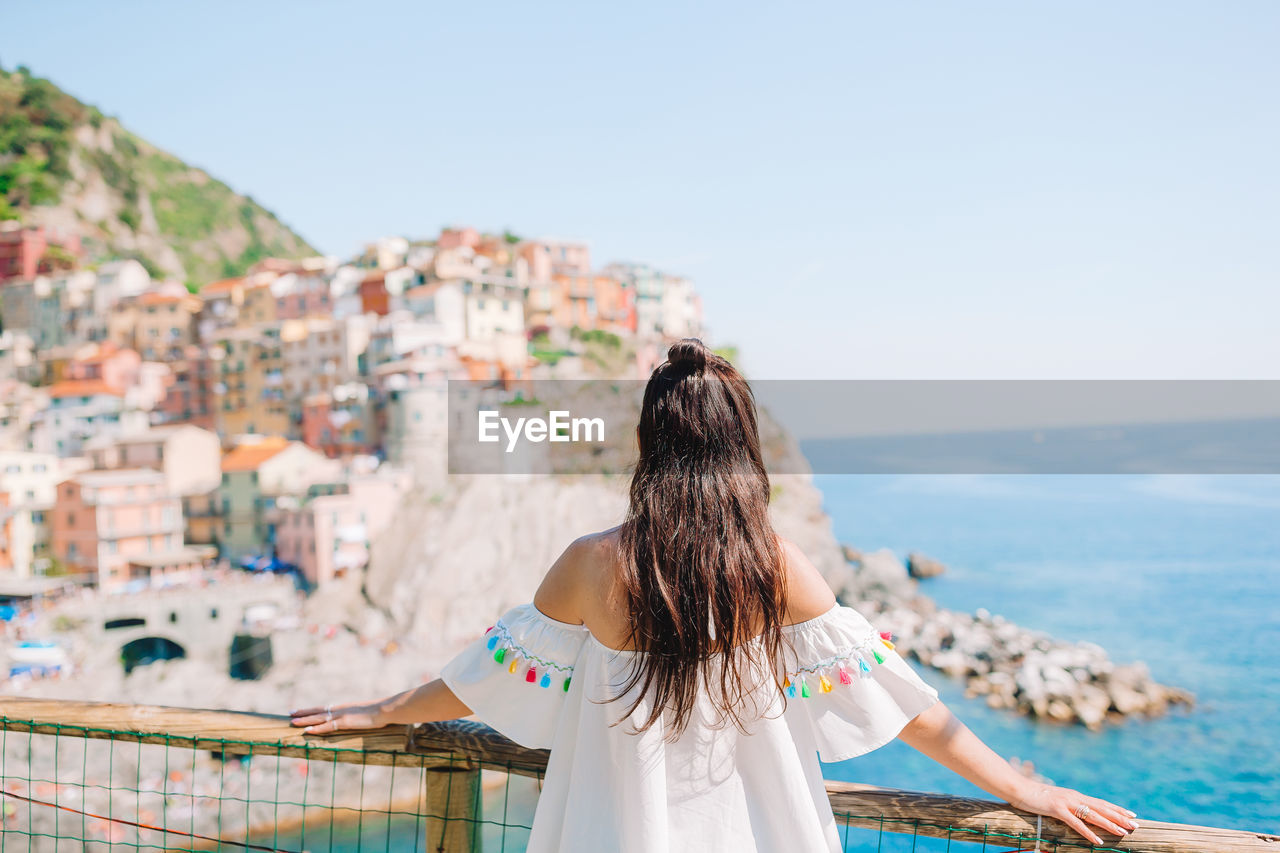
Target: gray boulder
(920,567)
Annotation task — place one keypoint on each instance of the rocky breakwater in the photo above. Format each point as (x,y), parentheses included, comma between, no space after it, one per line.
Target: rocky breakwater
(1013,667)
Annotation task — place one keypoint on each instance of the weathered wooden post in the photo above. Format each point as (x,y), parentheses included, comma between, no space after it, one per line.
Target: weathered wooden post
(453,809)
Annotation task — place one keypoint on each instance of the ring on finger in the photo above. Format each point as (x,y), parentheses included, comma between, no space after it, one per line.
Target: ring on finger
(328,713)
(1083,811)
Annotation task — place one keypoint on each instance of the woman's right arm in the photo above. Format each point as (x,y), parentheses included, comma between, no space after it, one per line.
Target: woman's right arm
(426,703)
(557,597)
(938,734)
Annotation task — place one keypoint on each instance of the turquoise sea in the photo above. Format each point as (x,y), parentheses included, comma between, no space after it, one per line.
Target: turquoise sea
(1180,572)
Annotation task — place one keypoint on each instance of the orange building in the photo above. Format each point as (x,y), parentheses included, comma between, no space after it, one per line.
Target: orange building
(573,300)
(587,301)
(615,305)
(374,298)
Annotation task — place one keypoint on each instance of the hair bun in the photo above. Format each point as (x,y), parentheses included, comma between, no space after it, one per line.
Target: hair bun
(689,352)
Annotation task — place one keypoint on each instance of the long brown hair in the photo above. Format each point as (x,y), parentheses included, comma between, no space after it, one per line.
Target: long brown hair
(701,568)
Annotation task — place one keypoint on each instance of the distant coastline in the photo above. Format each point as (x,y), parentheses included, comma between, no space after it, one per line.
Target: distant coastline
(1244,446)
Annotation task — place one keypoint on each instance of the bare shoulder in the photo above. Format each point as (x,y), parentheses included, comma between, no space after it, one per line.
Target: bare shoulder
(568,591)
(808,595)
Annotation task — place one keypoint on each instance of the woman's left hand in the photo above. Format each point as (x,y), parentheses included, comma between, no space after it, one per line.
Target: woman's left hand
(337,718)
(1076,810)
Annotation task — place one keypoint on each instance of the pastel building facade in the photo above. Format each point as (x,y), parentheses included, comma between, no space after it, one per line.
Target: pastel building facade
(117,281)
(255,475)
(189,397)
(22,409)
(69,312)
(440,306)
(416,428)
(544,257)
(259,305)
(329,534)
(573,300)
(46,325)
(473,310)
(301,295)
(79,410)
(222,301)
(6,536)
(106,362)
(646,285)
(584,301)
(400,335)
(116,526)
(165,323)
(190,458)
(20,304)
(249,391)
(51,309)
(340,422)
(17,356)
(681,308)
(320,354)
(28,483)
(495,307)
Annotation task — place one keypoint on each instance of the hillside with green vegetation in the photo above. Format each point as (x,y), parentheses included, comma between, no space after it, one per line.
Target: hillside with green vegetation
(65,165)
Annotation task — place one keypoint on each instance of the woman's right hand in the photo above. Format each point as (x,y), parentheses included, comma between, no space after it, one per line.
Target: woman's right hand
(338,718)
(1066,805)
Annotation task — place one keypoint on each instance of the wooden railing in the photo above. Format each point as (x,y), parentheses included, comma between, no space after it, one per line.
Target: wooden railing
(452,755)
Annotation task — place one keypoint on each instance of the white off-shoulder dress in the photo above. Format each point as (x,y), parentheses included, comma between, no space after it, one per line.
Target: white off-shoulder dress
(540,682)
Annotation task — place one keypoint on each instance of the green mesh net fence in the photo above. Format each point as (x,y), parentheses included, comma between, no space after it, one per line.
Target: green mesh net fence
(76,788)
(80,789)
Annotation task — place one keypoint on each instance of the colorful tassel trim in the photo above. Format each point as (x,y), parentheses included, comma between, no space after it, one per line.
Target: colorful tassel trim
(517,658)
(840,668)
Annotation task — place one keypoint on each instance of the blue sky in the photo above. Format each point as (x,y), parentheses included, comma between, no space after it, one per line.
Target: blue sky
(932,190)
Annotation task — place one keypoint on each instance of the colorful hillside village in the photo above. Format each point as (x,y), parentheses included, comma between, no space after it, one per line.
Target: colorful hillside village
(151,430)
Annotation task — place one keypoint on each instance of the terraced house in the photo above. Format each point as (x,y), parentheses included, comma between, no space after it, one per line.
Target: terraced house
(113,527)
(256,474)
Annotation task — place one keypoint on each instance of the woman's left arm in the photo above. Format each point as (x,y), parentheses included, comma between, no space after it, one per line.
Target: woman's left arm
(426,703)
(940,735)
